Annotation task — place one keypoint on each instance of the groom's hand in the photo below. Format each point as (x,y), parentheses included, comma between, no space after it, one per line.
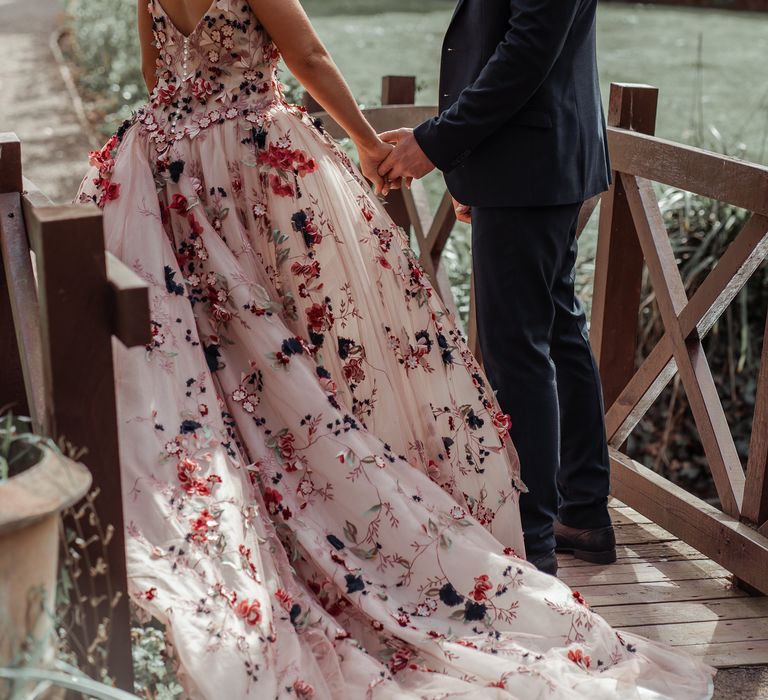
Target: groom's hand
(407,160)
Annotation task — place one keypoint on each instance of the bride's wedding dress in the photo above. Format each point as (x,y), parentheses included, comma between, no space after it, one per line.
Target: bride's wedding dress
(319,499)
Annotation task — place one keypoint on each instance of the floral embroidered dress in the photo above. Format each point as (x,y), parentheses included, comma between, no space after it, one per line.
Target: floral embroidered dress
(321,499)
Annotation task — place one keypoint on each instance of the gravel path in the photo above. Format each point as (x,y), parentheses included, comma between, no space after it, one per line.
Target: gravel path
(34,101)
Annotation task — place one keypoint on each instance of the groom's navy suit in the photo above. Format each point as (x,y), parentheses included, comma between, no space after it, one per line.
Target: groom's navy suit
(521,138)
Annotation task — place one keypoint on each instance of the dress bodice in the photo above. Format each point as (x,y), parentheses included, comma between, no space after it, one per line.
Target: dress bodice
(224,70)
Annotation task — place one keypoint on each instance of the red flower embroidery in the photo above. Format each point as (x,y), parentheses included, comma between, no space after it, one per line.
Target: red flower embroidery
(503,423)
(287,160)
(579,598)
(482,584)
(250,611)
(399,660)
(203,526)
(167,94)
(304,690)
(287,447)
(179,203)
(286,601)
(202,89)
(577,656)
(319,317)
(272,500)
(197,229)
(309,272)
(353,370)
(280,188)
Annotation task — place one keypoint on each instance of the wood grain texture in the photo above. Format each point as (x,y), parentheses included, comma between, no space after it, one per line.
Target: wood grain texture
(685,611)
(755,507)
(131,322)
(670,550)
(732,544)
(10,163)
(638,533)
(659,592)
(691,169)
(76,328)
(616,294)
(709,632)
(751,653)
(692,364)
(21,381)
(642,572)
(737,265)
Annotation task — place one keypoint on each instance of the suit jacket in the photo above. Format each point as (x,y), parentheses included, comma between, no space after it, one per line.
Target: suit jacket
(521,118)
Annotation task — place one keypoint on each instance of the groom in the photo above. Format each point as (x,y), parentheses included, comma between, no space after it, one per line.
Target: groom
(521,140)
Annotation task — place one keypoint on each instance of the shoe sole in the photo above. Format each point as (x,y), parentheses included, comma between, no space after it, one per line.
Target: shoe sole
(607,556)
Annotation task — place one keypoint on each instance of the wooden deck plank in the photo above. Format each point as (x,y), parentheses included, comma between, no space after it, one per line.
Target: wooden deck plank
(705,633)
(637,533)
(627,516)
(674,550)
(660,592)
(642,572)
(690,611)
(731,654)
(664,589)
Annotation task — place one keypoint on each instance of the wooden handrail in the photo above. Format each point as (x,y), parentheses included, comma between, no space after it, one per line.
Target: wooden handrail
(712,175)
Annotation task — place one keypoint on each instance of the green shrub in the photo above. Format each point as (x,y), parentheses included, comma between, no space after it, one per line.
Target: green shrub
(106,50)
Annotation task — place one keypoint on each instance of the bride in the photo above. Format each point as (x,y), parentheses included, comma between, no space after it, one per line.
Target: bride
(321,495)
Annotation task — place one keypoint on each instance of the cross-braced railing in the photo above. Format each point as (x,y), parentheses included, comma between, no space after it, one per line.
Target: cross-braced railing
(633,236)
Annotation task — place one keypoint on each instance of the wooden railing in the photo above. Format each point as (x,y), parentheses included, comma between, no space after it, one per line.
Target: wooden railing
(62,300)
(632,236)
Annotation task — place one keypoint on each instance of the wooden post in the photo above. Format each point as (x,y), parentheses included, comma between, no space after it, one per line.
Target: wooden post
(619,259)
(12,392)
(79,372)
(398,90)
(755,508)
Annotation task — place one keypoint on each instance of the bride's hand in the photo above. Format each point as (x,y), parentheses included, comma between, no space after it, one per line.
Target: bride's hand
(371,155)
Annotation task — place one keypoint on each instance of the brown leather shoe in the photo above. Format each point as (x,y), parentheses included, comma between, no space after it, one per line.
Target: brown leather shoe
(597,545)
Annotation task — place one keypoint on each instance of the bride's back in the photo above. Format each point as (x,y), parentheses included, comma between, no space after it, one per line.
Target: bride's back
(186,14)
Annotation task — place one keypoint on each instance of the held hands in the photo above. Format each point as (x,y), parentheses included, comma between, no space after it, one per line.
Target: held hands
(406,161)
(371,155)
(394,157)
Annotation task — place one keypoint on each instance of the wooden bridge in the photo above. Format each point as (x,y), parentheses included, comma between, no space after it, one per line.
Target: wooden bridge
(688,574)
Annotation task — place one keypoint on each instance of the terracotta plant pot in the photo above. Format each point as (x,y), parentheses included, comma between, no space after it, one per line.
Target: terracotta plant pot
(30,504)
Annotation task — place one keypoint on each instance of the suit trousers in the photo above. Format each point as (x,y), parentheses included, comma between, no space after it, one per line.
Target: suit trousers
(535,345)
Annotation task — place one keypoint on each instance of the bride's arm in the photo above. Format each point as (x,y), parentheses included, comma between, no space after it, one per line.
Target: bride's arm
(307,58)
(149,52)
